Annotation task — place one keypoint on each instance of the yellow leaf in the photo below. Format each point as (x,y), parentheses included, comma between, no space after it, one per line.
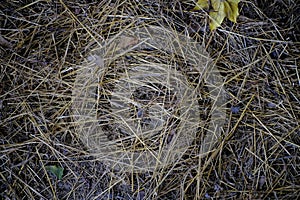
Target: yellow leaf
(233,6)
(217,16)
(228,10)
(221,9)
(201,4)
(216,4)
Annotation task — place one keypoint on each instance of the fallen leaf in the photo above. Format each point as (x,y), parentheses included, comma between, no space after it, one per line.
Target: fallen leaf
(57,171)
(221,9)
(217,15)
(232,10)
(201,4)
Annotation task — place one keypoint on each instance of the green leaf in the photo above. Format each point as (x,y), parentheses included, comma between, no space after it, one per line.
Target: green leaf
(57,171)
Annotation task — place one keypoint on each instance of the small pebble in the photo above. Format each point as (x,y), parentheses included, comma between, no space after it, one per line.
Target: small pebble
(235,109)
(207,196)
(271,105)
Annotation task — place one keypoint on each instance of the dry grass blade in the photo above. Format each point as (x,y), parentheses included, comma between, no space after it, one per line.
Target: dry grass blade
(42,45)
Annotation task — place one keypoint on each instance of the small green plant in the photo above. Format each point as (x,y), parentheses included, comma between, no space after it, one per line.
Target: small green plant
(56,170)
(218,10)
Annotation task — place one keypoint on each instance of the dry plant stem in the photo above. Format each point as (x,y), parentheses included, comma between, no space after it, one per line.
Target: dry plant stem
(42,43)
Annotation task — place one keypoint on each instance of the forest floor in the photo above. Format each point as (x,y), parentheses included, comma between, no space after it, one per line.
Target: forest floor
(257,155)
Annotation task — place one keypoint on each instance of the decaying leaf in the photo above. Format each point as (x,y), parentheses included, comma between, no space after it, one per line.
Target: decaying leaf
(219,10)
(57,171)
